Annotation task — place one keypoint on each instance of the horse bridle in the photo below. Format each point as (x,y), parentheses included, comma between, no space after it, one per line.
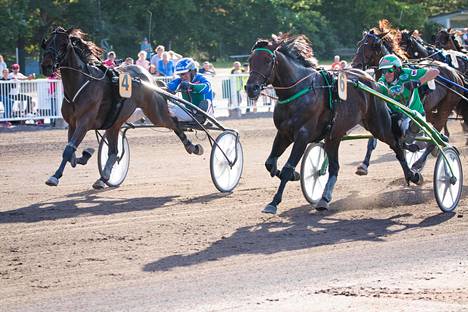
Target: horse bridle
(58,54)
(383,48)
(273,61)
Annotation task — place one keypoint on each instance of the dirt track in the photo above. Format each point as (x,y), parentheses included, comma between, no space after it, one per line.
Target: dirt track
(167,240)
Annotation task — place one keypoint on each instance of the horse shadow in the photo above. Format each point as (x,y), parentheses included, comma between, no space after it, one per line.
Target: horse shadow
(297,229)
(90,203)
(387,157)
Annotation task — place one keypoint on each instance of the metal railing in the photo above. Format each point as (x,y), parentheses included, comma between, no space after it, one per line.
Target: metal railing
(41,99)
(30,99)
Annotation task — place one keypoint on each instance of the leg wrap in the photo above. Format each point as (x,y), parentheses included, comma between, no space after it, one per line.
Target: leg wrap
(287,172)
(68,152)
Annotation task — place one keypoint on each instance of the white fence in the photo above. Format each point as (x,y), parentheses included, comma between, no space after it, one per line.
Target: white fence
(42,98)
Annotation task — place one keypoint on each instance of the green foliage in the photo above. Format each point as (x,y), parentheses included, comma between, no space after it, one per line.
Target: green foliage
(209,29)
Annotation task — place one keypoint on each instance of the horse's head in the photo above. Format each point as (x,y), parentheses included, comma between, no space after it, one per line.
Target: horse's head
(262,62)
(369,51)
(442,39)
(55,48)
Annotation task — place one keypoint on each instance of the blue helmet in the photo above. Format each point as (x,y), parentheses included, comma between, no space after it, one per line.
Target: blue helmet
(184,65)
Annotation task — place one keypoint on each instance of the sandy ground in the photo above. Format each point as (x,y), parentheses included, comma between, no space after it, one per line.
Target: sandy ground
(166,240)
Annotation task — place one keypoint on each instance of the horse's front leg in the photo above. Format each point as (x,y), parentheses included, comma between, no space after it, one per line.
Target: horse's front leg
(68,154)
(112,136)
(280,144)
(362,169)
(331,148)
(288,171)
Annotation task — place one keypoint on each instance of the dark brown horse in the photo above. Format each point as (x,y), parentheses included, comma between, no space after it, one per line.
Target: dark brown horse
(304,113)
(445,39)
(90,98)
(438,104)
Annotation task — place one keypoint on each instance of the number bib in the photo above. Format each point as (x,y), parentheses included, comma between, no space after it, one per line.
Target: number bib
(125,85)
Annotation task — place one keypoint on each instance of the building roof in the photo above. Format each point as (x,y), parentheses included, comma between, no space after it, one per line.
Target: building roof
(459,11)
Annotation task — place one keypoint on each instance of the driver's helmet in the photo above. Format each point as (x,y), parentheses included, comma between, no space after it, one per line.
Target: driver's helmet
(389,61)
(184,65)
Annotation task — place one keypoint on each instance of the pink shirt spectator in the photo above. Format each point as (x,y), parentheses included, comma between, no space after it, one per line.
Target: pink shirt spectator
(143,63)
(109,63)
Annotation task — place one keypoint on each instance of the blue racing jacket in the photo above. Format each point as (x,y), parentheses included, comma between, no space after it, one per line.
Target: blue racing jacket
(199,90)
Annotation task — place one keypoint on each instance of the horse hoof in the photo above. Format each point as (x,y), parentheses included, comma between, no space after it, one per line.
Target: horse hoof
(52,181)
(322,205)
(87,153)
(99,185)
(198,150)
(362,170)
(270,209)
(420,180)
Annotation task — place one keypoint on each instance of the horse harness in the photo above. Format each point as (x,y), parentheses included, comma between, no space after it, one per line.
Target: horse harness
(331,83)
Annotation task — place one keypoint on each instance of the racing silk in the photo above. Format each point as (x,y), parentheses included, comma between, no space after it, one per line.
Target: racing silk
(398,92)
(200,89)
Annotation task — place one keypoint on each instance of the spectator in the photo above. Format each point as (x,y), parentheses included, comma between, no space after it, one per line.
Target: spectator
(146,46)
(5,98)
(142,60)
(236,68)
(465,38)
(15,88)
(157,56)
(207,69)
(153,71)
(3,65)
(110,61)
(16,75)
(175,57)
(166,66)
(336,65)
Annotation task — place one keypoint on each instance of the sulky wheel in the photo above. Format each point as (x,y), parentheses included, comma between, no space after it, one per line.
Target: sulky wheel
(447,189)
(120,169)
(226,161)
(314,172)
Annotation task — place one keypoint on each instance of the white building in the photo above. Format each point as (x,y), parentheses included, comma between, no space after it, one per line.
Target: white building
(457,19)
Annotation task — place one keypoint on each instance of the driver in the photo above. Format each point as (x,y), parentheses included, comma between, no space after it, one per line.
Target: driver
(194,87)
(401,84)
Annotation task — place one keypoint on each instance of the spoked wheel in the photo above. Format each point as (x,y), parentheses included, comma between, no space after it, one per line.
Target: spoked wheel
(226,161)
(448,190)
(314,172)
(120,169)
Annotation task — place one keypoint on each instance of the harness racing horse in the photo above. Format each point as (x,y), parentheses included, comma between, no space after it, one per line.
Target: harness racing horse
(90,99)
(444,39)
(438,104)
(418,50)
(304,113)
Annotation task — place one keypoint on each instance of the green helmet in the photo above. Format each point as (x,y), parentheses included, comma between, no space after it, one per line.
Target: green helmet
(388,61)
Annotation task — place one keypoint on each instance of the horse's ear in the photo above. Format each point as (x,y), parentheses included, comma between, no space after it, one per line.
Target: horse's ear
(364,33)
(433,38)
(274,37)
(43,43)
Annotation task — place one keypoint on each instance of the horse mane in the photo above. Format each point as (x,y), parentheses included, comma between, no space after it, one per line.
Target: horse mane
(88,51)
(299,48)
(391,37)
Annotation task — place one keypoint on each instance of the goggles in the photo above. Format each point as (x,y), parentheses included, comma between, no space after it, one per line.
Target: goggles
(389,70)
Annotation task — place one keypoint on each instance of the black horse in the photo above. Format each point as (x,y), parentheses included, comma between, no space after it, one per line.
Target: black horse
(438,104)
(91,98)
(305,113)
